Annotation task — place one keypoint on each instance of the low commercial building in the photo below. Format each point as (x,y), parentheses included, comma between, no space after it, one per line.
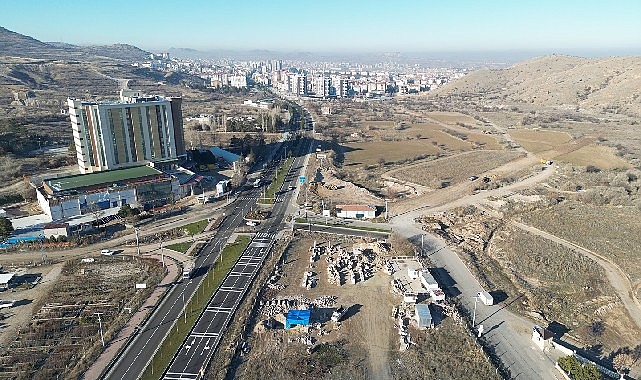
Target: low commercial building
(139,186)
(356,211)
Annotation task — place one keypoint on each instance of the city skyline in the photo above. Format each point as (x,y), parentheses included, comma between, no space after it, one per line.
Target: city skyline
(332,26)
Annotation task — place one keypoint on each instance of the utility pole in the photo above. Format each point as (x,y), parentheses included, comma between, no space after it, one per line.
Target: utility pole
(137,242)
(162,257)
(100,324)
(386,209)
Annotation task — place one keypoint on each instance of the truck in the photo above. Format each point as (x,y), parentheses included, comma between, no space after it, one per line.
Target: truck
(188,268)
(486,298)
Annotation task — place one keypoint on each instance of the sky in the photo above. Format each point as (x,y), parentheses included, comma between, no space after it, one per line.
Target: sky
(335,26)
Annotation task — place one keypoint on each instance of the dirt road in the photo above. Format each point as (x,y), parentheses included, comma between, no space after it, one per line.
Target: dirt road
(618,279)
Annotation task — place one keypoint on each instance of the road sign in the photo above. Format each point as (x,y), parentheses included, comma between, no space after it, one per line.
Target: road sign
(301,179)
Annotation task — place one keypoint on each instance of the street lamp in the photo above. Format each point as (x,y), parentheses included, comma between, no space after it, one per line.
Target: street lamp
(476,298)
(100,324)
(137,241)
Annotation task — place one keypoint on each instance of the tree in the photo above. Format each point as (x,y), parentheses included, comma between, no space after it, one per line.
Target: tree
(6,228)
(622,362)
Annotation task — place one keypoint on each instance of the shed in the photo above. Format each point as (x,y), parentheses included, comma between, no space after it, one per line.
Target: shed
(5,280)
(541,336)
(297,317)
(422,315)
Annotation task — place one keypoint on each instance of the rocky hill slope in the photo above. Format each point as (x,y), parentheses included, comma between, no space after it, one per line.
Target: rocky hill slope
(14,44)
(610,85)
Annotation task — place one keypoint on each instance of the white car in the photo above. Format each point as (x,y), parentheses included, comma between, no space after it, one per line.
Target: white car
(107,252)
(251,223)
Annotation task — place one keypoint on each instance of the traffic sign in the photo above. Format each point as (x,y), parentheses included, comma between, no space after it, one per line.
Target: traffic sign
(301,179)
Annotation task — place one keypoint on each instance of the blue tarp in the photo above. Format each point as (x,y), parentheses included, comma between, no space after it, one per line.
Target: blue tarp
(297,317)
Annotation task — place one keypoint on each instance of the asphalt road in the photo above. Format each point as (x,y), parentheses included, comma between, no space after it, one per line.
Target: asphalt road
(340,230)
(194,355)
(508,333)
(141,349)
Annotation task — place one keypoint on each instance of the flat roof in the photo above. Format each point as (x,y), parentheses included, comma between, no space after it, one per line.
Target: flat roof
(98,178)
(6,277)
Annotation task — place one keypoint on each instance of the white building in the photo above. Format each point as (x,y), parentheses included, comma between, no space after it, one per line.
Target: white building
(133,130)
(356,211)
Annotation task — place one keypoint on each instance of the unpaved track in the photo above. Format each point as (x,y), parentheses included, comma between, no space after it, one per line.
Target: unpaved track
(618,279)
(373,319)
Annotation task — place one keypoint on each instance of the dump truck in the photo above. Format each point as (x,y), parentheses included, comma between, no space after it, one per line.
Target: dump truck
(486,298)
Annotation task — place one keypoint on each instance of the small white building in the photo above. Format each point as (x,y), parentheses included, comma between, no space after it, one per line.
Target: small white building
(56,230)
(423,316)
(542,337)
(356,211)
(5,280)
(428,280)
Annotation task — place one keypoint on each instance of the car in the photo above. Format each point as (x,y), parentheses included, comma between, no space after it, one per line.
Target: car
(251,223)
(291,187)
(473,178)
(107,252)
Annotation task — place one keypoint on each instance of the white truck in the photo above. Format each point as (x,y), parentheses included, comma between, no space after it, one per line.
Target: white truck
(486,298)
(188,268)
(339,313)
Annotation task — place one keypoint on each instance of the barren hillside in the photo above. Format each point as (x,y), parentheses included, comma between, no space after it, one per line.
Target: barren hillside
(601,85)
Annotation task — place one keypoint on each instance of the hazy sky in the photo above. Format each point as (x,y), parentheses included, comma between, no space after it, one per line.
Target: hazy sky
(332,25)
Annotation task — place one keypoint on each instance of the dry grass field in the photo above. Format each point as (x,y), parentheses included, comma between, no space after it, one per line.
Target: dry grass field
(536,141)
(453,118)
(454,169)
(611,231)
(602,157)
(371,153)
(563,286)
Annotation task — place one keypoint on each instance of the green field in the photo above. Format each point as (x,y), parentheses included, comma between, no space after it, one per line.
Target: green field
(196,227)
(180,247)
(277,182)
(197,303)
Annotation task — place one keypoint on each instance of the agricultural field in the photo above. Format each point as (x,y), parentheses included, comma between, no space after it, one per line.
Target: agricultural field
(454,169)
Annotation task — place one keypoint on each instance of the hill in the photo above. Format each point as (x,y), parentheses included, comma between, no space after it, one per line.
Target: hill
(610,85)
(14,44)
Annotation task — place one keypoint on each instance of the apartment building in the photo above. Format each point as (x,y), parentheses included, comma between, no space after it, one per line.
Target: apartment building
(134,130)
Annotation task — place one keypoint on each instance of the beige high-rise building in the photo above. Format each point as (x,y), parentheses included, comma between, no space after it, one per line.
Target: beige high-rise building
(136,129)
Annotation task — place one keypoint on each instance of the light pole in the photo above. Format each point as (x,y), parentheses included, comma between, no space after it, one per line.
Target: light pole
(476,298)
(100,324)
(184,307)
(137,241)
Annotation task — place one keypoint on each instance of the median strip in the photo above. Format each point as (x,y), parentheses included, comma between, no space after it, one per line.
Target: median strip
(194,308)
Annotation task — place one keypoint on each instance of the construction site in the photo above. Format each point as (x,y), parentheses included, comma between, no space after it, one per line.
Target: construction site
(347,307)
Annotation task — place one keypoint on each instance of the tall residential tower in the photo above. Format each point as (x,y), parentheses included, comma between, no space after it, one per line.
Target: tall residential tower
(135,130)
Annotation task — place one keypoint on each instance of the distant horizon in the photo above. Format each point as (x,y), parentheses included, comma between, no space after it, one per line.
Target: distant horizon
(338,27)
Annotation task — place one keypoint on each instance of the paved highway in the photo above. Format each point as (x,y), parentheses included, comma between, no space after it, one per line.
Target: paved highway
(194,355)
(140,350)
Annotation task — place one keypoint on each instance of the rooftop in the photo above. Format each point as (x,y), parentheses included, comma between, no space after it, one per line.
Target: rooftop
(356,207)
(99,178)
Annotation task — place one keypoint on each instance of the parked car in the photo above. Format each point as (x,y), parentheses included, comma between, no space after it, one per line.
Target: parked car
(107,252)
